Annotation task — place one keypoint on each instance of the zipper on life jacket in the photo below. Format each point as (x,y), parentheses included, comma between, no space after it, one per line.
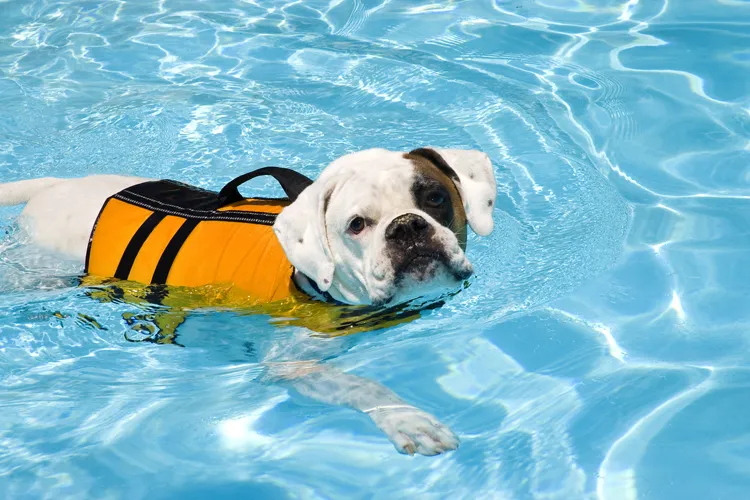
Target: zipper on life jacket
(263,218)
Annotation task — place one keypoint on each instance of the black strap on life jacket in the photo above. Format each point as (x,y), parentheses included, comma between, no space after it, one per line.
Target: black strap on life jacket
(293,183)
(135,244)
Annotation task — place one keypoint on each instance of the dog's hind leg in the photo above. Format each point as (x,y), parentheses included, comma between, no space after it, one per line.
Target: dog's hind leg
(16,193)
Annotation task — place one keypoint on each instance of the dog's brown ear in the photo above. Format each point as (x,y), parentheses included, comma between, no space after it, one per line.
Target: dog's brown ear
(301,230)
(472,172)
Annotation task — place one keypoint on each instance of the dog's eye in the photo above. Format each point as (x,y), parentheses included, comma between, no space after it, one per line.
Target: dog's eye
(435,199)
(357,225)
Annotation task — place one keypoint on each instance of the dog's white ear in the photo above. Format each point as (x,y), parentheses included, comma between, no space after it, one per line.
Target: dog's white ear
(301,230)
(476,183)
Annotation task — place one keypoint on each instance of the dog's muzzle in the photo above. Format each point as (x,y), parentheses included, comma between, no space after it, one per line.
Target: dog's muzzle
(414,249)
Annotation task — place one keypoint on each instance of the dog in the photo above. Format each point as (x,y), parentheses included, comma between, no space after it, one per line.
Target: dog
(378,228)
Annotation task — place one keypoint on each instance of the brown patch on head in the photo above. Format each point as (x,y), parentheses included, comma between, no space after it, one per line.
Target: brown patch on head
(430,179)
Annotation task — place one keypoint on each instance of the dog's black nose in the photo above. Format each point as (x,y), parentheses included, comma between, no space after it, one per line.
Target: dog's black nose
(407,228)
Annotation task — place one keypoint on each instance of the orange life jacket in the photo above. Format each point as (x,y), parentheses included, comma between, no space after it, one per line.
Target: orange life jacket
(214,250)
(166,232)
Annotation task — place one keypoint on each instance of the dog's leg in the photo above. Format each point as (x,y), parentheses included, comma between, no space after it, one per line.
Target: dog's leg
(410,429)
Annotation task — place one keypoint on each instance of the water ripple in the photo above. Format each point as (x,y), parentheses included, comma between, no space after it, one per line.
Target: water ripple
(607,323)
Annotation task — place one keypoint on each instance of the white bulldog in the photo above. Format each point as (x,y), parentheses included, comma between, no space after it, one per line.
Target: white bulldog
(380,227)
(377,227)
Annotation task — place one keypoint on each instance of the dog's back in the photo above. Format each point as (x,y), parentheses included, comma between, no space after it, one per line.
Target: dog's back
(60,213)
(16,193)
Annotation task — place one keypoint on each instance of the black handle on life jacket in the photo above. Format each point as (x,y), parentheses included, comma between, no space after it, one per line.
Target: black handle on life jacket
(293,183)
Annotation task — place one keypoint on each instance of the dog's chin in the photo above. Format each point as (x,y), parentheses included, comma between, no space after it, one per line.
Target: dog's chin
(423,274)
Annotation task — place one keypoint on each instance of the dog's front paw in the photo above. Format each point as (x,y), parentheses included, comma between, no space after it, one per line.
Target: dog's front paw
(412,430)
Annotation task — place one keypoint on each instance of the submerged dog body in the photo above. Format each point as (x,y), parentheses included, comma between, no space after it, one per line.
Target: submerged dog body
(376,228)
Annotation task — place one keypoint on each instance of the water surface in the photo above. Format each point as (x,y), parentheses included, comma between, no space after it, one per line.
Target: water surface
(601,349)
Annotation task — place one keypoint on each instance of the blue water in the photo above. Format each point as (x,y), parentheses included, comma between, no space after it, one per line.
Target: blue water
(601,350)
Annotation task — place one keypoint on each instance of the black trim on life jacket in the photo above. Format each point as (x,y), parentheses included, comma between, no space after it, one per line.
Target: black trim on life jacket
(91,238)
(182,200)
(177,201)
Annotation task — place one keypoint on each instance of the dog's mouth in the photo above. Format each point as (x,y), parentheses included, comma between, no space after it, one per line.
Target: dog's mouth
(422,265)
(418,261)
(421,268)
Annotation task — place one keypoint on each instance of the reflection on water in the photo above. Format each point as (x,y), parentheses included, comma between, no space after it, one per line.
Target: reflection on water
(599,351)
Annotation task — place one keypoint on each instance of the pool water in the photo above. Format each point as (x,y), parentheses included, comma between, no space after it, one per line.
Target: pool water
(601,349)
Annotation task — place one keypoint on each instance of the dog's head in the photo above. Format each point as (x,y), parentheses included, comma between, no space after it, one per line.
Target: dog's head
(381,227)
